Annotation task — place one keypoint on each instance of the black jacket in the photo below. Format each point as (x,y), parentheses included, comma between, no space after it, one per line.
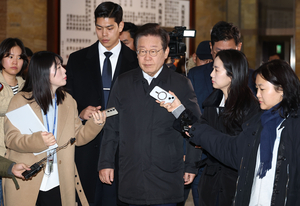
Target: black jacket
(151,165)
(84,83)
(240,152)
(217,182)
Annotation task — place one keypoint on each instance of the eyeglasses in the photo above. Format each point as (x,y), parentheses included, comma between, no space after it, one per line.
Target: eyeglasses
(152,52)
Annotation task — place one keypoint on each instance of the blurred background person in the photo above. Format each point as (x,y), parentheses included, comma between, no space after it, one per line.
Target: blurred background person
(274,56)
(128,34)
(29,54)
(203,53)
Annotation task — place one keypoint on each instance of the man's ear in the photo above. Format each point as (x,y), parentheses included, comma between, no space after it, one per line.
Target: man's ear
(121,26)
(211,50)
(239,46)
(167,52)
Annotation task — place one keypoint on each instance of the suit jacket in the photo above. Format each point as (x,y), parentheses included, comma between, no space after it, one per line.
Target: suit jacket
(151,163)
(201,81)
(20,148)
(85,85)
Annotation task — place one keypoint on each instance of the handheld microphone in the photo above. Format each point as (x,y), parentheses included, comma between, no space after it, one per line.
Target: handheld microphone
(36,167)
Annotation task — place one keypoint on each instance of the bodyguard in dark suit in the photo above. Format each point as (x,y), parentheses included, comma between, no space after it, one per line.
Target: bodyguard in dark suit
(151,169)
(91,74)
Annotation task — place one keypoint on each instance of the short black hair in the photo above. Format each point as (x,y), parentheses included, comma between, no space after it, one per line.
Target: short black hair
(131,28)
(279,73)
(224,31)
(5,48)
(109,10)
(153,29)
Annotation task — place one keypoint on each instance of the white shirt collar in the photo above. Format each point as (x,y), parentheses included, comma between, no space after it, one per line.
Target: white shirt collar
(113,58)
(149,78)
(116,50)
(222,103)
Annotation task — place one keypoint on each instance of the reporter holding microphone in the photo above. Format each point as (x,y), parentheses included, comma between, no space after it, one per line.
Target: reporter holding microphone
(57,110)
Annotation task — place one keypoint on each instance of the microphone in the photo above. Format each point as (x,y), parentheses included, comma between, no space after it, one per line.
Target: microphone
(1,87)
(36,167)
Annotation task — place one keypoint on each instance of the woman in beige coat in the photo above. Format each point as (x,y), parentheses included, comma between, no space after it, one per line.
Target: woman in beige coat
(13,61)
(44,92)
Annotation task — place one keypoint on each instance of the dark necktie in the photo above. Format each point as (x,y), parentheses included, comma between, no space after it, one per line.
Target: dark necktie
(106,77)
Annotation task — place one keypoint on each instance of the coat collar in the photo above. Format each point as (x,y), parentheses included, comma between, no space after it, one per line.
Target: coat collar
(214,99)
(163,76)
(62,113)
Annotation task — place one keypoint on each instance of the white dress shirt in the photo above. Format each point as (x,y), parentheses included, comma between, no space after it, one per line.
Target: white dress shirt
(149,78)
(113,58)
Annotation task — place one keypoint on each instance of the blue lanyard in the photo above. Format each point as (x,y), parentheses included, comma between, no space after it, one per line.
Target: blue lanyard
(54,123)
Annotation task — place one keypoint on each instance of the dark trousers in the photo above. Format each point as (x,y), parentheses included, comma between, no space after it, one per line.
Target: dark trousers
(49,198)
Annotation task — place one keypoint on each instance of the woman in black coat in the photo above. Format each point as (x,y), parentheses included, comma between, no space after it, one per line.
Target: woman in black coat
(230,104)
(266,154)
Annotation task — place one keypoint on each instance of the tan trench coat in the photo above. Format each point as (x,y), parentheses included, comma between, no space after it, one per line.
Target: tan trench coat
(21,148)
(5,96)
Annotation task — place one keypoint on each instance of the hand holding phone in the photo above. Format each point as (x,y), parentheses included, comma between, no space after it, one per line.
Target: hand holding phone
(161,95)
(110,111)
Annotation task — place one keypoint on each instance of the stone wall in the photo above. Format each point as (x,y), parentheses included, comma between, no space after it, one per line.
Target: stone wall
(208,13)
(26,20)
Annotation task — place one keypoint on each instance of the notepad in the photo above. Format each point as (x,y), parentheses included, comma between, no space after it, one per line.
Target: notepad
(27,122)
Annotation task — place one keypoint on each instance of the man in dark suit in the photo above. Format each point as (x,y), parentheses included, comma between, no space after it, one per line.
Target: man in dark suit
(223,36)
(151,170)
(87,83)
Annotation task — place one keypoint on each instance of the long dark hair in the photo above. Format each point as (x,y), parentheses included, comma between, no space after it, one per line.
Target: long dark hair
(38,79)
(281,75)
(5,48)
(240,96)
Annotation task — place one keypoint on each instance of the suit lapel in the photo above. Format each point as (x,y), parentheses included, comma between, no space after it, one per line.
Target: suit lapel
(92,64)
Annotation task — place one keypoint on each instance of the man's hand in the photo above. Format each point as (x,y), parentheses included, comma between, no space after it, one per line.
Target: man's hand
(188,178)
(87,112)
(18,169)
(106,176)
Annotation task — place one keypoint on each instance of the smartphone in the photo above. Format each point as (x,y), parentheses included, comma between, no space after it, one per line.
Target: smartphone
(111,111)
(161,95)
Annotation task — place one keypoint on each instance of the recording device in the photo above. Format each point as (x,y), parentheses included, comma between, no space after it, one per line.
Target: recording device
(36,167)
(161,95)
(1,87)
(111,111)
(176,45)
